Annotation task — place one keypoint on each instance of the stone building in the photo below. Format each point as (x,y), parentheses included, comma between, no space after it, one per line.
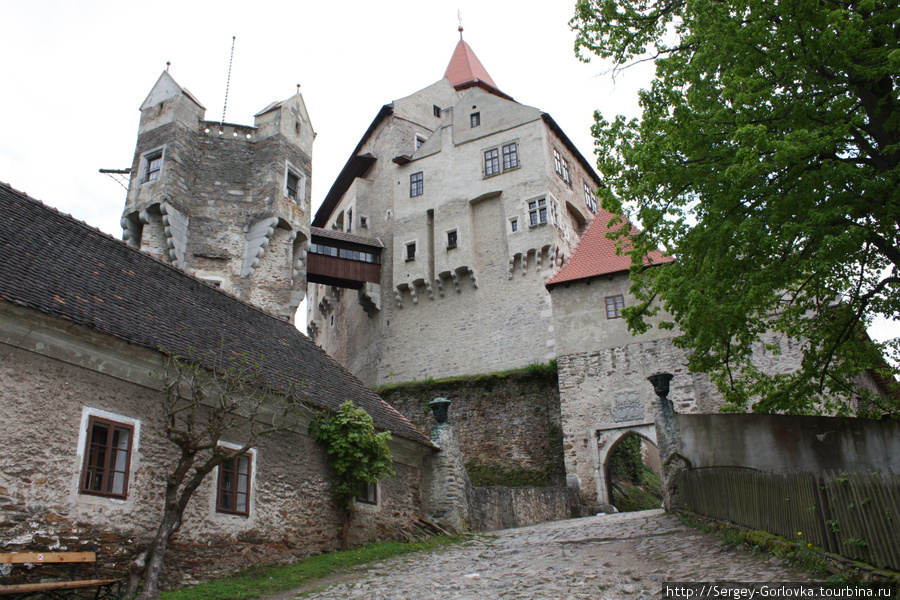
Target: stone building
(470,201)
(228,203)
(604,394)
(83,319)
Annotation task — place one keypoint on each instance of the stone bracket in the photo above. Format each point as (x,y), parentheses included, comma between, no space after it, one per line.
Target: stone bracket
(256,239)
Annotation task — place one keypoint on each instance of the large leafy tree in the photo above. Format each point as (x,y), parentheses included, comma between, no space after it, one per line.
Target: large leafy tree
(767,162)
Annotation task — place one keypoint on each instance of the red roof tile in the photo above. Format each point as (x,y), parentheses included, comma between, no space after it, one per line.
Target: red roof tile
(596,255)
(466,70)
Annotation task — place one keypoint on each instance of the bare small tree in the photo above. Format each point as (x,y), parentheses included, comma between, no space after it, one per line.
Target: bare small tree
(205,398)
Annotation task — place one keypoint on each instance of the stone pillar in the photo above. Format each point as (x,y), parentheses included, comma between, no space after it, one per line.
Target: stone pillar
(668,438)
(447,485)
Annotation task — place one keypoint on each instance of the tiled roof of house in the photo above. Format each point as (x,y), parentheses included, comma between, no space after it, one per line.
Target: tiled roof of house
(62,267)
(595,254)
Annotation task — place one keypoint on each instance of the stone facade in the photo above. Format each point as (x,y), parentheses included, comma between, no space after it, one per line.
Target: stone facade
(463,270)
(49,368)
(227,203)
(507,424)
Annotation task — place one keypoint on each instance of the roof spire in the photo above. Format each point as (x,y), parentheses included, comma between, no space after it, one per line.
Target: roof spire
(465,70)
(460,28)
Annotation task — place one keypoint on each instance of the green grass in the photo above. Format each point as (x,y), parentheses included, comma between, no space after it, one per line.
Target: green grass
(259,581)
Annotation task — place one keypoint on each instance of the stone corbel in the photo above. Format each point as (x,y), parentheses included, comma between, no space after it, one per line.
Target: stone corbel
(131,231)
(257,238)
(455,279)
(398,295)
(525,263)
(370,298)
(414,293)
(175,228)
(472,277)
(440,285)
(512,262)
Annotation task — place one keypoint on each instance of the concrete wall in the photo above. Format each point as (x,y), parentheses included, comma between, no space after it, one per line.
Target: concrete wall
(782,443)
(52,376)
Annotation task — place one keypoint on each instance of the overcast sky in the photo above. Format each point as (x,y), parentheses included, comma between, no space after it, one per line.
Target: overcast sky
(74,74)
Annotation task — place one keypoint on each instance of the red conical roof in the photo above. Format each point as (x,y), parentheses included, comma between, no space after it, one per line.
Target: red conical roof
(465,70)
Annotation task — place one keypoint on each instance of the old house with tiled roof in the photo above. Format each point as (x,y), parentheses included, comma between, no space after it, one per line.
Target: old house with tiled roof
(84,322)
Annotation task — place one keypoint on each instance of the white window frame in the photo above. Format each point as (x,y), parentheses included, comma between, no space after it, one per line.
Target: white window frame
(536,211)
(590,198)
(214,495)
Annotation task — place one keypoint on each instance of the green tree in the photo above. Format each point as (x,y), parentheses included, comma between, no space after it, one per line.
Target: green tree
(357,454)
(766,163)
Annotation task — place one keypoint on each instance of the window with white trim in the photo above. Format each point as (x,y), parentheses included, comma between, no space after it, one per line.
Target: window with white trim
(510,156)
(589,198)
(561,165)
(537,212)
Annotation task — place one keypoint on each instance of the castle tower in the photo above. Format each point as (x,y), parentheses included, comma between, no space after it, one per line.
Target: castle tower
(473,200)
(227,203)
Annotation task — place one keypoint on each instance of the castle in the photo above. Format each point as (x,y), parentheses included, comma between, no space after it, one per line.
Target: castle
(462,236)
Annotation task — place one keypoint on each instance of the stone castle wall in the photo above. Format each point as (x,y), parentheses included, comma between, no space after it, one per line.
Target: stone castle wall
(42,408)
(508,426)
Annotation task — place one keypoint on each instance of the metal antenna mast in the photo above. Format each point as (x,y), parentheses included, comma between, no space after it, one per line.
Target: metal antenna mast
(228,82)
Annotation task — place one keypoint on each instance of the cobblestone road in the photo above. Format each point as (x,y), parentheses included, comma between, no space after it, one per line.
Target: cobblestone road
(625,555)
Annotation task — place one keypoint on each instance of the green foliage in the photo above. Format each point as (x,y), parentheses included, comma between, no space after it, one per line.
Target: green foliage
(482,475)
(541,372)
(767,163)
(634,485)
(355,451)
(269,579)
(626,463)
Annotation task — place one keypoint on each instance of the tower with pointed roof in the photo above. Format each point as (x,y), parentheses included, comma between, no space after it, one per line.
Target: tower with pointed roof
(473,201)
(227,203)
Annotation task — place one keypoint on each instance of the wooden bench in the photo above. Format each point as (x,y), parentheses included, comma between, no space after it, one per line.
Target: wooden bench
(105,588)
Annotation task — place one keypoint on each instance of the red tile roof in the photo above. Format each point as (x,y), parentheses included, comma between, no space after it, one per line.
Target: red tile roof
(595,254)
(466,70)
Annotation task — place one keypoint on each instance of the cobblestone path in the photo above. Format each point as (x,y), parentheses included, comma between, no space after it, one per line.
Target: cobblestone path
(626,555)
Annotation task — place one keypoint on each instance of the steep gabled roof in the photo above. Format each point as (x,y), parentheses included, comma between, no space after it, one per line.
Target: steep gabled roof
(465,70)
(595,254)
(61,267)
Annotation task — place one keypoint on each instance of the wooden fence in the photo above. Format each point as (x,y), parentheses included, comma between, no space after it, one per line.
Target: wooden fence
(856,515)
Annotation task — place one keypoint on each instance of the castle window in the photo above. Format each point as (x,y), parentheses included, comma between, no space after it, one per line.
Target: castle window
(475,119)
(367,493)
(514,225)
(437,111)
(614,306)
(561,165)
(154,166)
(537,212)
(292,185)
(589,198)
(363,221)
(234,486)
(107,458)
(420,139)
(451,239)
(416,184)
(491,162)
(410,251)
(510,156)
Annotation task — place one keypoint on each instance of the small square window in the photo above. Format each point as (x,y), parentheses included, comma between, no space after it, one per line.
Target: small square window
(475,119)
(510,156)
(107,458)
(491,162)
(367,493)
(234,486)
(420,139)
(416,184)
(363,221)
(614,306)
(411,251)
(292,185)
(437,111)
(451,239)
(154,166)
(514,225)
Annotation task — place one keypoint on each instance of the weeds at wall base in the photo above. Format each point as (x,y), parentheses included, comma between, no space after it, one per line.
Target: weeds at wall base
(815,561)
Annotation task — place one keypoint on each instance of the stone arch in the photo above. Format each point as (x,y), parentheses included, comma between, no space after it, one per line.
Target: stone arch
(607,440)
